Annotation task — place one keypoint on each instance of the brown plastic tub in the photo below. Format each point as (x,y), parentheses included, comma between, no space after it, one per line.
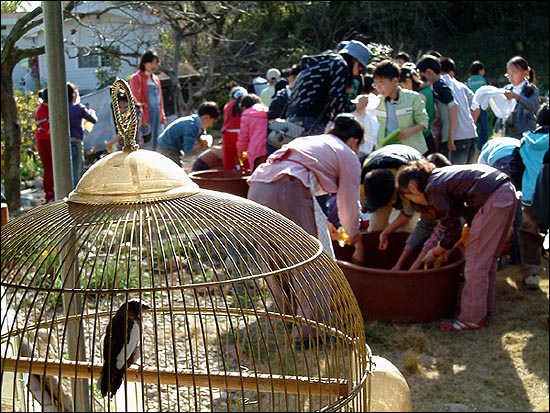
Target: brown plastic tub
(221,180)
(400,296)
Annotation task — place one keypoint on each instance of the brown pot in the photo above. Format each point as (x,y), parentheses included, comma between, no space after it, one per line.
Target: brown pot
(400,296)
(233,182)
(5,216)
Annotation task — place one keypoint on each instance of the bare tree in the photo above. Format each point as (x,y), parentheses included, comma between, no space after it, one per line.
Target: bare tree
(195,38)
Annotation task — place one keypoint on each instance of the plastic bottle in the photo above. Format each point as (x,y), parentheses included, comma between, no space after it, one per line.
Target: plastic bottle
(365,220)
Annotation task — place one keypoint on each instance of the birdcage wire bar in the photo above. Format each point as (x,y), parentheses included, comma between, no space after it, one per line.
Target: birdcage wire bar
(215,339)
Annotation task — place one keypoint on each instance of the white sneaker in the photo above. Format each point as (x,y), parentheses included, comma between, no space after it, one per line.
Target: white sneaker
(532,281)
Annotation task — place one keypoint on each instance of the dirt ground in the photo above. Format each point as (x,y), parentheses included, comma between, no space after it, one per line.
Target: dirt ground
(503,367)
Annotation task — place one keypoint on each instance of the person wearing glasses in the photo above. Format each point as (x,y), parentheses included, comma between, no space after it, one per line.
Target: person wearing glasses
(399,109)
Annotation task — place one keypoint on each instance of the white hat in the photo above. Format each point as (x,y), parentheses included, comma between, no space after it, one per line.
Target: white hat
(237,92)
(273,74)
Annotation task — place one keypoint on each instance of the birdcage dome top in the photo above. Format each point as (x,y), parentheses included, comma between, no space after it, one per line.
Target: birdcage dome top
(133,176)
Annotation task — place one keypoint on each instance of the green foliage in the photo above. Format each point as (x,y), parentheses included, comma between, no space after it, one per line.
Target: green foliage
(13,6)
(31,165)
(378,49)
(281,32)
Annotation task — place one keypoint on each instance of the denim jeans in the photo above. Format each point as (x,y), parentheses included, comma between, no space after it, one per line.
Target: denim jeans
(464,154)
(77,160)
(309,123)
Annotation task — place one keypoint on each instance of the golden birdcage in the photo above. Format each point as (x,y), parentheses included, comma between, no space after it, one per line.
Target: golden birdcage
(237,308)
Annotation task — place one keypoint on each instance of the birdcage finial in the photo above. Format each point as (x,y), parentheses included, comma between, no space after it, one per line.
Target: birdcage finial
(126,121)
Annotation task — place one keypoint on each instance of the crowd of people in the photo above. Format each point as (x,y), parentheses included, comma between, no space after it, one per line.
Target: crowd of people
(406,142)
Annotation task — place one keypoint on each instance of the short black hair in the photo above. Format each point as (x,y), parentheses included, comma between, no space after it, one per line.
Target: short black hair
(428,62)
(209,108)
(387,69)
(447,64)
(347,126)
(379,186)
(404,56)
(438,159)
(43,94)
(295,69)
(476,67)
(71,91)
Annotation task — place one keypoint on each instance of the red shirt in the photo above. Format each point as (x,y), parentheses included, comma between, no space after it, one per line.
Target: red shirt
(42,122)
(230,122)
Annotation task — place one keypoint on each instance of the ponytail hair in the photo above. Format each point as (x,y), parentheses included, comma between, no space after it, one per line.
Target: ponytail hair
(43,94)
(418,172)
(522,64)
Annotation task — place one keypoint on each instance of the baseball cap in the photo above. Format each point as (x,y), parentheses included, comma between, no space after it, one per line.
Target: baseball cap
(273,74)
(358,50)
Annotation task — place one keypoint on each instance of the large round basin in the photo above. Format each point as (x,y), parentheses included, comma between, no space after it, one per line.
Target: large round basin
(400,296)
(233,182)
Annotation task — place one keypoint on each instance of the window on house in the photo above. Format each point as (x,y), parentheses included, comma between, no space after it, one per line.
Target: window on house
(86,59)
(96,58)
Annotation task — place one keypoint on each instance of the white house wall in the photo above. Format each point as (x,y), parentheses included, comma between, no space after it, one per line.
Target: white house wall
(137,37)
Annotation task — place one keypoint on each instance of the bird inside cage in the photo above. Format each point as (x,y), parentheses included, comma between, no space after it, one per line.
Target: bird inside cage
(121,345)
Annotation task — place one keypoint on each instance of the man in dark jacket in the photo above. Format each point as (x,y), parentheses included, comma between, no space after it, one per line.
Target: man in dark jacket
(320,91)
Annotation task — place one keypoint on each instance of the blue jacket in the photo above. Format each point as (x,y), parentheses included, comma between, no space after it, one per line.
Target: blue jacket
(182,134)
(503,154)
(533,146)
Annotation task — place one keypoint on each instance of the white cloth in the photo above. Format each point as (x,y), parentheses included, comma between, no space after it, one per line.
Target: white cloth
(321,220)
(494,97)
(368,119)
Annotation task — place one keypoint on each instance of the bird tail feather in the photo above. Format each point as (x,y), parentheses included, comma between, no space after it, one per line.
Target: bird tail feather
(110,387)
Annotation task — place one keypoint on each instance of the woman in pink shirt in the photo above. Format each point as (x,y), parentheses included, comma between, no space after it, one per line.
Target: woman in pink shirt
(252,137)
(147,91)
(287,182)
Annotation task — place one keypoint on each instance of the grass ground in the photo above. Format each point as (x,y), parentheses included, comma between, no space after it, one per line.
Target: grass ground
(503,367)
